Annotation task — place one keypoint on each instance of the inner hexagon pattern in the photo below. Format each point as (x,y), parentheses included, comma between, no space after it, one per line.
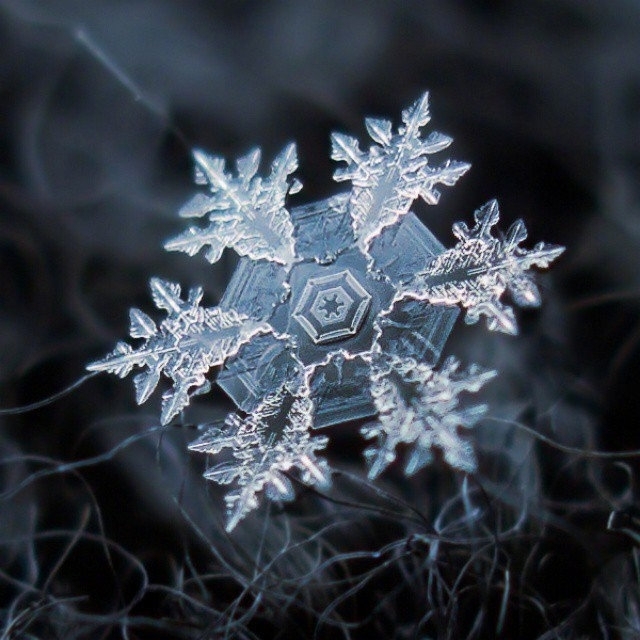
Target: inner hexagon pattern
(332,307)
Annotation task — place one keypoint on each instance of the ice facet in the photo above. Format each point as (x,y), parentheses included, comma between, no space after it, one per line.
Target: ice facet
(259,369)
(401,251)
(411,328)
(340,387)
(256,288)
(323,229)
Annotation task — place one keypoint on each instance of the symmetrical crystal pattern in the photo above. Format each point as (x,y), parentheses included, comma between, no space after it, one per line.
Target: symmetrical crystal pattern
(332,307)
(337,310)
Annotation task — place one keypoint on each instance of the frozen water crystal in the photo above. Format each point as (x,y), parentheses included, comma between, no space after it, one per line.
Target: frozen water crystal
(189,342)
(393,173)
(281,295)
(337,310)
(246,213)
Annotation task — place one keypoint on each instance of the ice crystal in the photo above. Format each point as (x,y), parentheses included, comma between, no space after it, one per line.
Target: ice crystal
(338,310)
(186,345)
(394,172)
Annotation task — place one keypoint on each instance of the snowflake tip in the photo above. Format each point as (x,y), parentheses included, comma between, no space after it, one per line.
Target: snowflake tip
(315,473)
(460,455)
(166,295)
(544,254)
(451,171)
(173,402)
(193,240)
(211,169)
(379,129)
(118,362)
(222,473)
(524,292)
(419,458)
(239,504)
(247,165)
(279,488)
(285,163)
(418,114)
(437,141)
(499,317)
(378,459)
(487,215)
(218,436)
(516,234)
(197,206)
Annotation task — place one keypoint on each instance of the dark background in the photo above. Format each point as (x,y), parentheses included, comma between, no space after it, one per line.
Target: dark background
(106,528)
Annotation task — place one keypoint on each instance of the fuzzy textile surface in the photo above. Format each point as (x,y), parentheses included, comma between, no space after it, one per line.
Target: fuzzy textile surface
(107,529)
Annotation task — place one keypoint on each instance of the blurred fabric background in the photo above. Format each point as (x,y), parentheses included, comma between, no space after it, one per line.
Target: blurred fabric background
(106,527)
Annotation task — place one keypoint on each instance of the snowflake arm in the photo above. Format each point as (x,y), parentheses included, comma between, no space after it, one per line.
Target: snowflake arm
(267,444)
(189,342)
(480,268)
(245,212)
(394,172)
(420,406)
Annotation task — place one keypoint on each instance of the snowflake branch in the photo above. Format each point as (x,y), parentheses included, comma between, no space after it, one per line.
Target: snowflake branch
(245,212)
(394,172)
(480,268)
(186,345)
(265,445)
(418,405)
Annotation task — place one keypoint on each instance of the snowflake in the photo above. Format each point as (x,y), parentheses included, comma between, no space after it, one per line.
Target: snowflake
(338,310)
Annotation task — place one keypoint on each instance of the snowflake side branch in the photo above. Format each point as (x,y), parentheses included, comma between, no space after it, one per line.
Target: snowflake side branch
(184,347)
(480,268)
(394,172)
(245,212)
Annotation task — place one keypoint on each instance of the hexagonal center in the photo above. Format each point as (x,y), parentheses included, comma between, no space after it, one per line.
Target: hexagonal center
(332,307)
